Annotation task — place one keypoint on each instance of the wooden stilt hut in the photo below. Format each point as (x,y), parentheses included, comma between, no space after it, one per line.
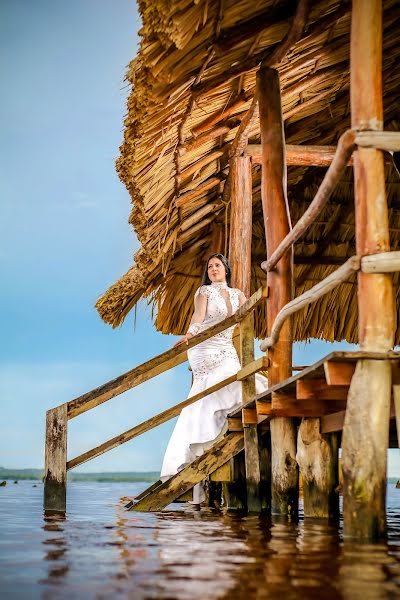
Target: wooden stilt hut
(269,131)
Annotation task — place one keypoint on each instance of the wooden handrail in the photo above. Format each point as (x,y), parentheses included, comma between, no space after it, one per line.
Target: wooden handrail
(159,364)
(384,262)
(257,365)
(344,150)
(341,274)
(382,140)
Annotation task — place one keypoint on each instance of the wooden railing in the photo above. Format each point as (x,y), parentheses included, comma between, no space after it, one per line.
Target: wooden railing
(56,464)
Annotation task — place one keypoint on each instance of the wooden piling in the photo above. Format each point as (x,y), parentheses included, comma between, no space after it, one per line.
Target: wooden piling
(367,414)
(280,283)
(240,259)
(55,473)
(317,457)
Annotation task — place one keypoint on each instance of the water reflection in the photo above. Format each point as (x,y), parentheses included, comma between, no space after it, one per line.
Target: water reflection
(102,551)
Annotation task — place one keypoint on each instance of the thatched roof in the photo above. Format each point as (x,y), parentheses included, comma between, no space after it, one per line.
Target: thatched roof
(198,60)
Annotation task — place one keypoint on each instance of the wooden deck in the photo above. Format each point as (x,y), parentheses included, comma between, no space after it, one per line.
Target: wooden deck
(319,390)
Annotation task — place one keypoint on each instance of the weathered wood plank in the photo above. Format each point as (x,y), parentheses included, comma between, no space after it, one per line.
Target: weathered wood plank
(55,472)
(163,417)
(198,470)
(159,364)
(223,473)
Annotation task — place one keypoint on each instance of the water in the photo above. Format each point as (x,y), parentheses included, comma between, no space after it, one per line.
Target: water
(101,551)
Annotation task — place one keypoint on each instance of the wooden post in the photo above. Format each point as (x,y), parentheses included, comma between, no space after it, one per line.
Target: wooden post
(280,283)
(217,238)
(55,471)
(240,259)
(317,457)
(366,426)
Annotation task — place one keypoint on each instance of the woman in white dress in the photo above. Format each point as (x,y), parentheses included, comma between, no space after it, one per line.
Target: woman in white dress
(203,422)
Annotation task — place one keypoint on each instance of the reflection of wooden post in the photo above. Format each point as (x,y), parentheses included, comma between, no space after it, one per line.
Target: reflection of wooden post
(317,456)
(55,474)
(240,259)
(280,284)
(365,434)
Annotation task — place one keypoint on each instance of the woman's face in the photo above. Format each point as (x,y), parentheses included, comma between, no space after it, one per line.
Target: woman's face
(216,270)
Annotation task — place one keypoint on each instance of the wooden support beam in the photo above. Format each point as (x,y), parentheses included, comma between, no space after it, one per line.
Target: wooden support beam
(344,150)
(235,424)
(318,389)
(302,156)
(333,422)
(240,259)
(197,471)
(382,140)
(55,469)
(318,460)
(367,413)
(286,405)
(339,373)
(159,364)
(277,226)
(384,262)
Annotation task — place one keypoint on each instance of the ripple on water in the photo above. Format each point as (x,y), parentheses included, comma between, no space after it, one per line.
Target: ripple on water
(102,551)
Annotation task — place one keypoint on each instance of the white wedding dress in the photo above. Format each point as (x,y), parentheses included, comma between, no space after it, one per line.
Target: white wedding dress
(200,424)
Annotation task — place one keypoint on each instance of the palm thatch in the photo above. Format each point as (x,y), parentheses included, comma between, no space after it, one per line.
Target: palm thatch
(192,83)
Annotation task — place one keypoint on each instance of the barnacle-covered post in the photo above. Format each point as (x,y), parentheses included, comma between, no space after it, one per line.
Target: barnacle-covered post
(368,407)
(280,284)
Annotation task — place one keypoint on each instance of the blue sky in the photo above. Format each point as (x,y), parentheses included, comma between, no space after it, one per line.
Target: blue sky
(64,236)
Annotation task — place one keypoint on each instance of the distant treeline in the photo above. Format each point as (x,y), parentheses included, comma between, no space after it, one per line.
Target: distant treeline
(37,474)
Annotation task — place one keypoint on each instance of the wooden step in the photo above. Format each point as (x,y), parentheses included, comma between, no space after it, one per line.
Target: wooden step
(197,471)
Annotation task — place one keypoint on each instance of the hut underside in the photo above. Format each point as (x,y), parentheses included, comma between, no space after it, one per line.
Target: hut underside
(194,80)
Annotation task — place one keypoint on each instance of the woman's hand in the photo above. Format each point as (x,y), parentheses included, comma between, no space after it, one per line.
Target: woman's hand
(184,340)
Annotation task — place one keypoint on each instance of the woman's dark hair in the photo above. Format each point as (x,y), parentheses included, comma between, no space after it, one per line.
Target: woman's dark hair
(228,272)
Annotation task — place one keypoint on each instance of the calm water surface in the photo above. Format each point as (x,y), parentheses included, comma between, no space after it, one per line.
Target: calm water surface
(102,551)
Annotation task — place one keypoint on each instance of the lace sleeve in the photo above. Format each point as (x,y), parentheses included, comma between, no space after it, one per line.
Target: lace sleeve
(202,291)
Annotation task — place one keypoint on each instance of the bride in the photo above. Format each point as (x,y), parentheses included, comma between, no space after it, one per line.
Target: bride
(203,422)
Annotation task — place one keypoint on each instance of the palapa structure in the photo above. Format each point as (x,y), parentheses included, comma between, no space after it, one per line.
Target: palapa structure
(268,131)
(193,82)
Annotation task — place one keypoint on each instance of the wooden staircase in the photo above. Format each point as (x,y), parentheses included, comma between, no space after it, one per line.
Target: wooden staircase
(159,495)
